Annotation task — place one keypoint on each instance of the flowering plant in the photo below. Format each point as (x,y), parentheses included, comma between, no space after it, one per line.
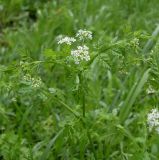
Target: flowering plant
(81,52)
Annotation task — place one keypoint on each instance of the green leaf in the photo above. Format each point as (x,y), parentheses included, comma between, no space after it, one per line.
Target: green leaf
(49,53)
(134,92)
(50,144)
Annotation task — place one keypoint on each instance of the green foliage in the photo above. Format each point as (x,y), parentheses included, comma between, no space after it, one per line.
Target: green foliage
(52,108)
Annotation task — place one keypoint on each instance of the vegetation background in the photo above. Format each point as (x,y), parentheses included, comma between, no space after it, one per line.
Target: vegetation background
(92,111)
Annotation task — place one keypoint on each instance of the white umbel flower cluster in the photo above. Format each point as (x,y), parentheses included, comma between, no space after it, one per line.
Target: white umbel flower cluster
(67,40)
(81,53)
(33,82)
(153,120)
(84,34)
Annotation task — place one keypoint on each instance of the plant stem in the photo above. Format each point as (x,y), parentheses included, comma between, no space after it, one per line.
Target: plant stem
(68,108)
(83,104)
(82,93)
(92,145)
(83,124)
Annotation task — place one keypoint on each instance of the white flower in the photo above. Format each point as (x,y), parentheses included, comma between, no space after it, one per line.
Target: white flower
(84,34)
(36,83)
(153,120)
(33,82)
(67,40)
(80,54)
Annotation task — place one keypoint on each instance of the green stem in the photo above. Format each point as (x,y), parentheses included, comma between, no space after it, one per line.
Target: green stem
(83,111)
(83,124)
(68,108)
(92,145)
(83,105)
(82,94)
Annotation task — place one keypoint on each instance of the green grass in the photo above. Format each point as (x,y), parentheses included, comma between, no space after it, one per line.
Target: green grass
(96,110)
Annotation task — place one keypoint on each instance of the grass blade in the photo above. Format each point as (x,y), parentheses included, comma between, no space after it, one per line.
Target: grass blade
(50,144)
(134,92)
